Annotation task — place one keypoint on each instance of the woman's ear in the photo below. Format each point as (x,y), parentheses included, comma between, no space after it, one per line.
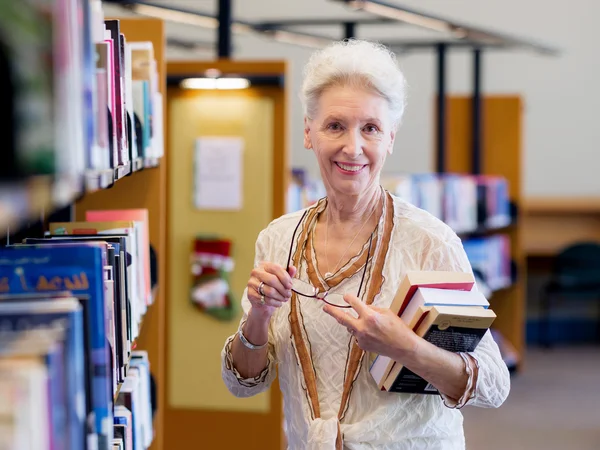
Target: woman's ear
(307,141)
(390,149)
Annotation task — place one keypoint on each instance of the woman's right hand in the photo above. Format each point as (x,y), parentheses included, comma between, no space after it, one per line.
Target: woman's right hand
(277,285)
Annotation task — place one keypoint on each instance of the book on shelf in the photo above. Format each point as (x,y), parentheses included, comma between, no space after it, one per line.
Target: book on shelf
(490,256)
(140,219)
(467,203)
(26,403)
(78,110)
(102,273)
(78,269)
(421,297)
(50,331)
(30,93)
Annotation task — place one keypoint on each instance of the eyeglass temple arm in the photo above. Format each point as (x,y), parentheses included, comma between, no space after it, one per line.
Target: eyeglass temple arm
(287,266)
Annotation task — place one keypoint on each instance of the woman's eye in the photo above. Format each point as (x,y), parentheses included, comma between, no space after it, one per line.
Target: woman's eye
(335,126)
(371,129)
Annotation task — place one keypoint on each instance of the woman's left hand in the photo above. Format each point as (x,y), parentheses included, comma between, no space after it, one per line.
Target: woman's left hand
(376,330)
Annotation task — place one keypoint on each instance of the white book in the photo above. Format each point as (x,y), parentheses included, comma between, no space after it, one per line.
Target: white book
(157,120)
(442,297)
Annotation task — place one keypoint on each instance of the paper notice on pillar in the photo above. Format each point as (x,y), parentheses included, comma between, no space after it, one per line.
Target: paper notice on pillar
(218,173)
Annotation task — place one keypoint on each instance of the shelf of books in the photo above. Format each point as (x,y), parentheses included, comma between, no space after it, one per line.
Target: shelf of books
(477,208)
(500,155)
(86,140)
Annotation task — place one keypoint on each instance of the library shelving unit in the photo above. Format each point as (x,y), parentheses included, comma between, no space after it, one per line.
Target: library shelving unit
(500,155)
(144,189)
(27,205)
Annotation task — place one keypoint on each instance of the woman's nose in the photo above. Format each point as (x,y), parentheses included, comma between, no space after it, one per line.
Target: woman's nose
(353,144)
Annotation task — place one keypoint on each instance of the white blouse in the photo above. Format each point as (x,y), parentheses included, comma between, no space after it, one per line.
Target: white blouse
(373,419)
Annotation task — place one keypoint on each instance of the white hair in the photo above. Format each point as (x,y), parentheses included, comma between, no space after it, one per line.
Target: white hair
(358,62)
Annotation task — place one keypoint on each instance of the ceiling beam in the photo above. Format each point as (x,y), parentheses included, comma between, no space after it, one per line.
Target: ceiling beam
(456,29)
(387,13)
(284,23)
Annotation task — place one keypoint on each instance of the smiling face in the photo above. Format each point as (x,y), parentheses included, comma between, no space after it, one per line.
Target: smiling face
(351,134)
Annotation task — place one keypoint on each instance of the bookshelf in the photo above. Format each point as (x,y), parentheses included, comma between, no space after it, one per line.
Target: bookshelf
(145,189)
(28,204)
(501,156)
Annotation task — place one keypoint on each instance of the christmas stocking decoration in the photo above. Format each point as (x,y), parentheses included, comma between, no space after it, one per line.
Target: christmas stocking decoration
(211,264)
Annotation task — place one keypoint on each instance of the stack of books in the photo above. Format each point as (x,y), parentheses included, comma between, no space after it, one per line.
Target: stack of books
(71,308)
(442,308)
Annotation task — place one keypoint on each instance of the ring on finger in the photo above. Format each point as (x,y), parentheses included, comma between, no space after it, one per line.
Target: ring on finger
(260,290)
(262,299)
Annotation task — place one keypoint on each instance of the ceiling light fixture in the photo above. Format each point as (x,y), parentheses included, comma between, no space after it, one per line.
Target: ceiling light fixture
(215,83)
(401,15)
(171,15)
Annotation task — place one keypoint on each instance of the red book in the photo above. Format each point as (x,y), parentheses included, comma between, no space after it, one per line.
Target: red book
(439,279)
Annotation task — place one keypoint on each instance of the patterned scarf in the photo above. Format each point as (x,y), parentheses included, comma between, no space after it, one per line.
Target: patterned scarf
(304,247)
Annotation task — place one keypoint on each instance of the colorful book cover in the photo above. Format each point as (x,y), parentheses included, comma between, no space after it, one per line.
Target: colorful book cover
(57,324)
(123,260)
(129,228)
(124,99)
(113,26)
(89,82)
(112,99)
(133,150)
(76,268)
(141,219)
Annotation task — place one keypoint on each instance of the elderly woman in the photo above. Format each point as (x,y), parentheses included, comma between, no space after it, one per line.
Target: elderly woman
(358,242)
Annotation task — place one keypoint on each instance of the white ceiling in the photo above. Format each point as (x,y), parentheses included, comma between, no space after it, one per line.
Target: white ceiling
(268,10)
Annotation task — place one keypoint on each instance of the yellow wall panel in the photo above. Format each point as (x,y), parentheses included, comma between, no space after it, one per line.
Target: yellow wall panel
(196,339)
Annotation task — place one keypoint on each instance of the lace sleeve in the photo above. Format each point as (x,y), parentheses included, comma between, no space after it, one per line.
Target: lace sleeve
(493,380)
(236,384)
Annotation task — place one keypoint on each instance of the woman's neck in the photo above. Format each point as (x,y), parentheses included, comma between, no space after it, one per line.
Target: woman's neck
(347,210)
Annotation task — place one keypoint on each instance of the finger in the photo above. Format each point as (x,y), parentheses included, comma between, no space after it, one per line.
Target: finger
(380,310)
(284,278)
(356,304)
(255,300)
(341,316)
(268,291)
(292,271)
(272,281)
(273,302)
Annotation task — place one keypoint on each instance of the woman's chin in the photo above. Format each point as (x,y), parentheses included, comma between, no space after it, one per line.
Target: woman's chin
(350,188)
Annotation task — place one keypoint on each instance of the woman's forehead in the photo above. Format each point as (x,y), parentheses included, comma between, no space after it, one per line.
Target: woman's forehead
(347,103)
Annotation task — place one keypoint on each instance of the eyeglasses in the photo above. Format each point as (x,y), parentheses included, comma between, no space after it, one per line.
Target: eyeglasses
(307,290)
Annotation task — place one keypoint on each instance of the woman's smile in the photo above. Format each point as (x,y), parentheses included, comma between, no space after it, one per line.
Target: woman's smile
(349,168)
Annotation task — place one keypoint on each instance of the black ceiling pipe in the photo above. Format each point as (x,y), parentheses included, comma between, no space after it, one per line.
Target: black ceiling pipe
(441,109)
(224,29)
(349,30)
(477,110)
